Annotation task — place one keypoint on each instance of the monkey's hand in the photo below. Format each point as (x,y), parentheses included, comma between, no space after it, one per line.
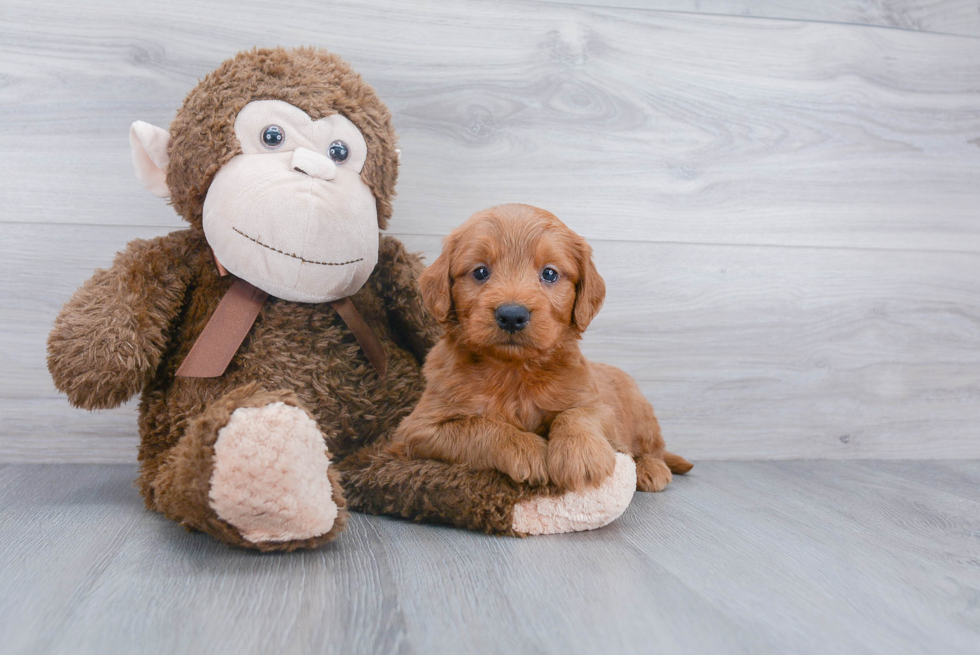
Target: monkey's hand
(108,339)
(397,281)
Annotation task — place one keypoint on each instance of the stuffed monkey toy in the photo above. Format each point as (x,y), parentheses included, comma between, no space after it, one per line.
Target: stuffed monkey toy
(278,340)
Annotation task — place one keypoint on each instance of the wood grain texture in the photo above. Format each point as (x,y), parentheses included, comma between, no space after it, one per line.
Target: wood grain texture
(785,211)
(746,353)
(632,125)
(789,557)
(941,16)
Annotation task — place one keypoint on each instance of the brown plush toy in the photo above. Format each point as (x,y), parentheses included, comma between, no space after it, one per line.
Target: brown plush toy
(277,341)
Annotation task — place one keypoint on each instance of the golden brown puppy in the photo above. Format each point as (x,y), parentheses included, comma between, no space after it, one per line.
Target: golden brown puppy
(507,386)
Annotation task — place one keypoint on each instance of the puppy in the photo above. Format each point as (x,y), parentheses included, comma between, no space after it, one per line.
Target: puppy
(507,386)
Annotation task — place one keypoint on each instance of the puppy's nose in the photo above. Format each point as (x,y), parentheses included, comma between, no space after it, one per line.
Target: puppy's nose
(512,317)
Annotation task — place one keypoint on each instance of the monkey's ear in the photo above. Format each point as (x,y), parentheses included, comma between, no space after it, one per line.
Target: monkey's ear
(149,145)
(435,284)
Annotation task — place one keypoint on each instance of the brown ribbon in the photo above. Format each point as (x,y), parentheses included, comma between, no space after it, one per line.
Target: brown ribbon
(233,319)
(225,332)
(365,336)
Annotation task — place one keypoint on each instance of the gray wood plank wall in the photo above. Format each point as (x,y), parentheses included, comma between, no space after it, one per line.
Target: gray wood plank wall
(783,199)
(942,16)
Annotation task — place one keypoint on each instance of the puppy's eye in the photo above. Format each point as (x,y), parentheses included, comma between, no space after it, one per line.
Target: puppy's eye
(549,275)
(273,136)
(481,273)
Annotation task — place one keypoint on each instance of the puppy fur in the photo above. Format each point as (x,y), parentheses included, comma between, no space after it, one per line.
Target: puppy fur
(526,401)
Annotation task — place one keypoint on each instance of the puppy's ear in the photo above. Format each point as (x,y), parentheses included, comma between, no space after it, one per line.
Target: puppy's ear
(435,283)
(590,290)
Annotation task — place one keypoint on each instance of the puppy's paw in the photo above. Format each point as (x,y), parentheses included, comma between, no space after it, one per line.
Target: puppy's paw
(525,459)
(652,473)
(583,460)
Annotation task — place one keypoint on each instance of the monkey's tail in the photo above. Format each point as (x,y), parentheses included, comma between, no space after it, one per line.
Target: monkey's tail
(676,463)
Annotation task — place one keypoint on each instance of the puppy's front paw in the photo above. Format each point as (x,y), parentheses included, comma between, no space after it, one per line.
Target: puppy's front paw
(525,459)
(579,461)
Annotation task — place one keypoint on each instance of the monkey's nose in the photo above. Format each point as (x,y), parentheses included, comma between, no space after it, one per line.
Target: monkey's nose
(512,317)
(314,164)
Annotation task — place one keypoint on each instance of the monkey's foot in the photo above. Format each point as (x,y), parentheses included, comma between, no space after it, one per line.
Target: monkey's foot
(270,475)
(575,511)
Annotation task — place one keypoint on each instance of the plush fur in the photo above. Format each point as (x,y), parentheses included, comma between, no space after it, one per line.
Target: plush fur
(128,328)
(269,477)
(584,511)
(525,401)
(318,82)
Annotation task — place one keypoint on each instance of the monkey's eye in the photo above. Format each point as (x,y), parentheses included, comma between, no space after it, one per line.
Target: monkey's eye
(549,275)
(338,151)
(273,137)
(481,273)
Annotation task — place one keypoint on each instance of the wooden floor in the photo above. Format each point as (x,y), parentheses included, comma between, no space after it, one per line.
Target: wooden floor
(739,557)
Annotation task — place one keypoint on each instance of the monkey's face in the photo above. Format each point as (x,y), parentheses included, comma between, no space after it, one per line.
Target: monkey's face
(291,214)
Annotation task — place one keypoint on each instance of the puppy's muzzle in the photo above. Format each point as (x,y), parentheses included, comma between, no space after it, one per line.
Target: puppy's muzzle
(512,318)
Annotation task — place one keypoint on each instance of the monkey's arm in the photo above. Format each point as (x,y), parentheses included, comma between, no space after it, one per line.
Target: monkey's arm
(397,282)
(108,339)
(379,481)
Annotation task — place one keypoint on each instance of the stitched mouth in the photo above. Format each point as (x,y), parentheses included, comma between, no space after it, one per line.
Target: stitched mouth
(294,255)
